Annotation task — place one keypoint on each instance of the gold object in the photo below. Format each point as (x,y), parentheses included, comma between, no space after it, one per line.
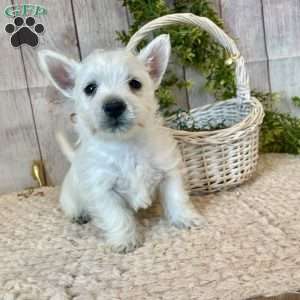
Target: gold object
(228,61)
(231,59)
(38,172)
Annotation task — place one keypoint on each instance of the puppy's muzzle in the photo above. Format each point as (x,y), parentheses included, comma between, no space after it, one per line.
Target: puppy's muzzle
(114,108)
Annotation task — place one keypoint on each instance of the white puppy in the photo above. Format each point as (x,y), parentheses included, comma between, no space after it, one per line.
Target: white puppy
(125,153)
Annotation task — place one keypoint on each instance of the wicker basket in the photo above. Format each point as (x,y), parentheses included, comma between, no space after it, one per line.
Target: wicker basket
(217,159)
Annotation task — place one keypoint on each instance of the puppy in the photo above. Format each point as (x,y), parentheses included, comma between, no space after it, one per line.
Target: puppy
(125,153)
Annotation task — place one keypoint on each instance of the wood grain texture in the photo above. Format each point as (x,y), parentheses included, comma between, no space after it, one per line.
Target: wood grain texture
(12,72)
(59,36)
(282,28)
(52,114)
(18,142)
(51,111)
(285,74)
(259,75)
(283,46)
(97,23)
(244,21)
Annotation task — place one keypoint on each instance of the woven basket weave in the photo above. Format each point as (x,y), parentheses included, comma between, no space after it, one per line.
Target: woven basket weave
(216,159)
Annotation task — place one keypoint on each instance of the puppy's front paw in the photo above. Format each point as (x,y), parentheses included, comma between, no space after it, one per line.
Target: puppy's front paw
(127,244)
(189,219)
(82,219)
(141,201)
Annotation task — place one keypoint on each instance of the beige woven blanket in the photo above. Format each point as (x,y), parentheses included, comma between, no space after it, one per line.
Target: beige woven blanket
(250,247)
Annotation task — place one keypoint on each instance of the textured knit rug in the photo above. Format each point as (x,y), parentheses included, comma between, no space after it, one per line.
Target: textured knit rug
(250,247)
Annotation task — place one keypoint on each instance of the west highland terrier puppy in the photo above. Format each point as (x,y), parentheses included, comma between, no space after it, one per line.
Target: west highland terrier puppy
(125,153)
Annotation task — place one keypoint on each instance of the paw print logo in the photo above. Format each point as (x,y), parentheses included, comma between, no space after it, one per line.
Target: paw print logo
(24,32)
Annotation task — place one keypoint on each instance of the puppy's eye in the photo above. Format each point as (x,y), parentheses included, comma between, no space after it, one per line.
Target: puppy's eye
(135,84)
(90,89)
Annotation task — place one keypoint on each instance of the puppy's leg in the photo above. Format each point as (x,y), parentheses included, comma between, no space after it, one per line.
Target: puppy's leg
(112,214)
(71,202)
(140,199)
(178,208)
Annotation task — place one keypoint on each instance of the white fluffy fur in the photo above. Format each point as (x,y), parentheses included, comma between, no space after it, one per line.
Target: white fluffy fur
(114,174)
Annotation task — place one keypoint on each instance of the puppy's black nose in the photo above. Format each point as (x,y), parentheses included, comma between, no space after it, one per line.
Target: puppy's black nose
(114,108)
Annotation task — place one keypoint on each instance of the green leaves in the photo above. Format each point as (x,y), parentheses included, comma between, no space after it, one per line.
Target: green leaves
(280,133)
(192,47)
(296,101)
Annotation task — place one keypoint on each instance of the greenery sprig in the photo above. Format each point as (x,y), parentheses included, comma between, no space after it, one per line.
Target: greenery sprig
(193,47)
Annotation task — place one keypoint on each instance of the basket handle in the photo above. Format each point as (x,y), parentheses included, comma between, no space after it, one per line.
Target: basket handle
(242,79)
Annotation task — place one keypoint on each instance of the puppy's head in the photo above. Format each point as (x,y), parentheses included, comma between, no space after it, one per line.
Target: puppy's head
(113,91)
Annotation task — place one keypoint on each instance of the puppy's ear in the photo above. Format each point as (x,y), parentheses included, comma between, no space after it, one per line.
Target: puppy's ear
(60,70)
(155,56)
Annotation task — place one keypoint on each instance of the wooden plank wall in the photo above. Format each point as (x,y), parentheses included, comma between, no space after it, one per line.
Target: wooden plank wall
(244,21)
(282,23)
(51,111)
(267,32)
(18,139)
